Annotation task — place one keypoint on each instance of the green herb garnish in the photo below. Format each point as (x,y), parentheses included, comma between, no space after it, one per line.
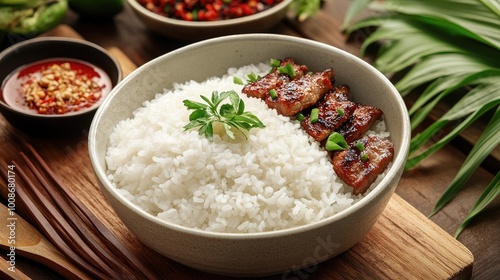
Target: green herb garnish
(364,157)
(273,62)
(273,94)
(300,117)
(231,115)
(340,112)
(287,69)
(314,115)
(360,146)
(238,81)
(336,142)
(252,77)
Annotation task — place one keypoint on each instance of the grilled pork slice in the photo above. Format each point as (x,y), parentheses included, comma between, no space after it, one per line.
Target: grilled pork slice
(297,95)
(359,123)
(342,93)
(334,110)
(359,169)
(274,79)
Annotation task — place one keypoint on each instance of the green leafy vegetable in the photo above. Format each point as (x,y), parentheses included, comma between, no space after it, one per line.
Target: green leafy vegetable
(448,47)
(231,115)
(305,8)
(31,17)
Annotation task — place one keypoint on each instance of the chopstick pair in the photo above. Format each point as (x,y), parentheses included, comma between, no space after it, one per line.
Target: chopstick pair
(71,226)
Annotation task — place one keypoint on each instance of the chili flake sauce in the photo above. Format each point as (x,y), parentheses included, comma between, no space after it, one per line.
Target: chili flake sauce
(207,10)
(56,86)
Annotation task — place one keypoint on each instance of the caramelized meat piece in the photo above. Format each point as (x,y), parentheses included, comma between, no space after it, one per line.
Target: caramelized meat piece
(334,110)
(360,121)
(342,93)
(359,169)
(297,95)
(274,79)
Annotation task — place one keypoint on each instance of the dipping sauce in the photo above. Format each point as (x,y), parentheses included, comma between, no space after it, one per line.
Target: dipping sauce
(55,86)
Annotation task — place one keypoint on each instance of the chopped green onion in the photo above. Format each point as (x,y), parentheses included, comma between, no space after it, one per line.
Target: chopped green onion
(314,115)
(273,62)
(360,146)
(252,77)
(237,81)
(364,157)
(340,112)
(287,69)
(336,142)
(273,93)
(300,117)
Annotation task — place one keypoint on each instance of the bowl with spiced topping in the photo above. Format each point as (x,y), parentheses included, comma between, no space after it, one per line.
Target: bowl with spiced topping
(195,20)
(54,85)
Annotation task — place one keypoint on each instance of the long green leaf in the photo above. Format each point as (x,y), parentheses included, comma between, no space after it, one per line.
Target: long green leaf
(355,8)
(493,5)
(489,194)
(446,85)
(415,160)
(437,66)
(488,141)
(463,16)
(472,102)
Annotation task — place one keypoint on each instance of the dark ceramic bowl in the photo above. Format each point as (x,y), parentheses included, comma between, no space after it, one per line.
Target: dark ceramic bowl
(39,49)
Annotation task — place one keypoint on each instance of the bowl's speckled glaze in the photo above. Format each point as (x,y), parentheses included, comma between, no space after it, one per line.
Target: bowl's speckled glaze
(256,253)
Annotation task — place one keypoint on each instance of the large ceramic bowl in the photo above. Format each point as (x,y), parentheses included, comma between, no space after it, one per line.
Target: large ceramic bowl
(41,49)
(253,253)
(197,30)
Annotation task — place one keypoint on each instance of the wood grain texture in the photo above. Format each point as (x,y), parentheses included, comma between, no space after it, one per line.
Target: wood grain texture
(402,244)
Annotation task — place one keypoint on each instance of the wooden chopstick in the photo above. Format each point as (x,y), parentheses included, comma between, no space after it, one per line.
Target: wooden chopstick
(73,227)
(31,209)
(105,235)
(102,232)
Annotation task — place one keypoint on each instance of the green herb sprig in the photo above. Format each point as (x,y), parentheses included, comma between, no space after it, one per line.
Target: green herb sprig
(230,115)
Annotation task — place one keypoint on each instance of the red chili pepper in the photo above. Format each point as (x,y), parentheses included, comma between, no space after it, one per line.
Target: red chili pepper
(205,10)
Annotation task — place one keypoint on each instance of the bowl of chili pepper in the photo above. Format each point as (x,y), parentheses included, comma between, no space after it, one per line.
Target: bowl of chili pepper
(192,20)
(53,86)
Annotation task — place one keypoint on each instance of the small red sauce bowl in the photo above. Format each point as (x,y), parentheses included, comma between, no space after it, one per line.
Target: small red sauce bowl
(20,56)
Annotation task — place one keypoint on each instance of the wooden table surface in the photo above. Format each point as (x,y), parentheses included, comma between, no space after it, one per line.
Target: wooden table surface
(420,187)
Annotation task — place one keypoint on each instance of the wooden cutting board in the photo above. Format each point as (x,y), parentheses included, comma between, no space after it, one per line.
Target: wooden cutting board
(402,244)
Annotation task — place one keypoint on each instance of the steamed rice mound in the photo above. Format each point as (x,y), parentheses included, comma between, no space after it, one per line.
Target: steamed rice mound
(279,178)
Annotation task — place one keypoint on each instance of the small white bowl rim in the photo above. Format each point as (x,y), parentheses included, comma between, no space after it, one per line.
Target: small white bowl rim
(208,24)
(56,39)
(397,163)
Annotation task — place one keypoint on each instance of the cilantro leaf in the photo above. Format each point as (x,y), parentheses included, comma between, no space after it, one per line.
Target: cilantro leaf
(232,115)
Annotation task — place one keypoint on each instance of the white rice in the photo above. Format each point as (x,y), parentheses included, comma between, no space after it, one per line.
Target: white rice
(279,178)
